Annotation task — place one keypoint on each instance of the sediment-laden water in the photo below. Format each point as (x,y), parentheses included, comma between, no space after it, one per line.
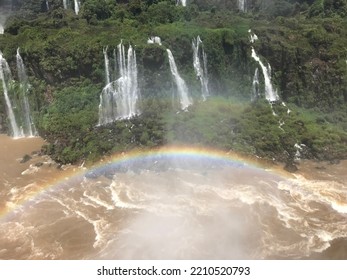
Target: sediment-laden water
(173,204)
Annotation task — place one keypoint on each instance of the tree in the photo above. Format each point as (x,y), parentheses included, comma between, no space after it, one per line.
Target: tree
(98,9)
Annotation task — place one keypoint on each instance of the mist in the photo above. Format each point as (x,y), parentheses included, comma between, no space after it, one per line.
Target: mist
(5,12)
(183,213)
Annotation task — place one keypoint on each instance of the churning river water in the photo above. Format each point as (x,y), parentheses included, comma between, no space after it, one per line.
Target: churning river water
(179,203)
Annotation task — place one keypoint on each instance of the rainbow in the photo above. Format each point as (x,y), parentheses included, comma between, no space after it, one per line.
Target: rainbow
(197,154)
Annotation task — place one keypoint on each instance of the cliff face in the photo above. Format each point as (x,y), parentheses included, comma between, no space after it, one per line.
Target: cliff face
(308,59)
(5,10)
(305,48)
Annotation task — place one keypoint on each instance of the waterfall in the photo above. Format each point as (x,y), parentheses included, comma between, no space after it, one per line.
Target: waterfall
(5,77)
(182,89)
(284,105)
(200,69)
(299,148)
(252,37)
(115,69)
(65,4)
(119,98)
(107,66)
(241,5)
(77,6)
(255,85)
(182,2)
(47,5)
(128,82)
(154,40)
(1,29)
(29,127)
(270,93)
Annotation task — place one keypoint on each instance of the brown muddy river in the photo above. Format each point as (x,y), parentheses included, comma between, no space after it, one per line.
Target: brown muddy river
(177,203)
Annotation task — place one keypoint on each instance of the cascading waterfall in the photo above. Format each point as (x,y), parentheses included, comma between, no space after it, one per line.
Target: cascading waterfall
(182,2)
(284,105)
(115,73)
(270,93)
(5,76)
(255,85)
(119,98)
(1,29)
(47,5)
(29,127)
(154,40)
(182,89)
(241,5)
(107,66)
(200,66)
(299,148)
(77,6)
(252,37)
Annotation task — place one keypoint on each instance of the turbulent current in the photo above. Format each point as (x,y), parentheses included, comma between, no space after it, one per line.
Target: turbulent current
(171,204)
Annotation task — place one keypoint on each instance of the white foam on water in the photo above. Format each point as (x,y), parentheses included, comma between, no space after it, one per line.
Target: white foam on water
(291,218)
(331,193)
(116,191)
(97,201)
(67,209)
(31,170)
(338,206)
(99,225)
(324,236)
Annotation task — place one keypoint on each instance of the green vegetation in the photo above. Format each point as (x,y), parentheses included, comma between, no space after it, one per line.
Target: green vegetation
(304,41)
(253,129)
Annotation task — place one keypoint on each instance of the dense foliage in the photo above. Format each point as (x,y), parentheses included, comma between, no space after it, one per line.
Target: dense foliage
(304,41)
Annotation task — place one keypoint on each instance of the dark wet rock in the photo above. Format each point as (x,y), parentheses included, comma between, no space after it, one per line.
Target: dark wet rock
(25,159)
(334,161)
(109,174)
(120,168)
(38,164)
(320,167)
(336,251)
(92,174)
(36,153)
(290,167)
